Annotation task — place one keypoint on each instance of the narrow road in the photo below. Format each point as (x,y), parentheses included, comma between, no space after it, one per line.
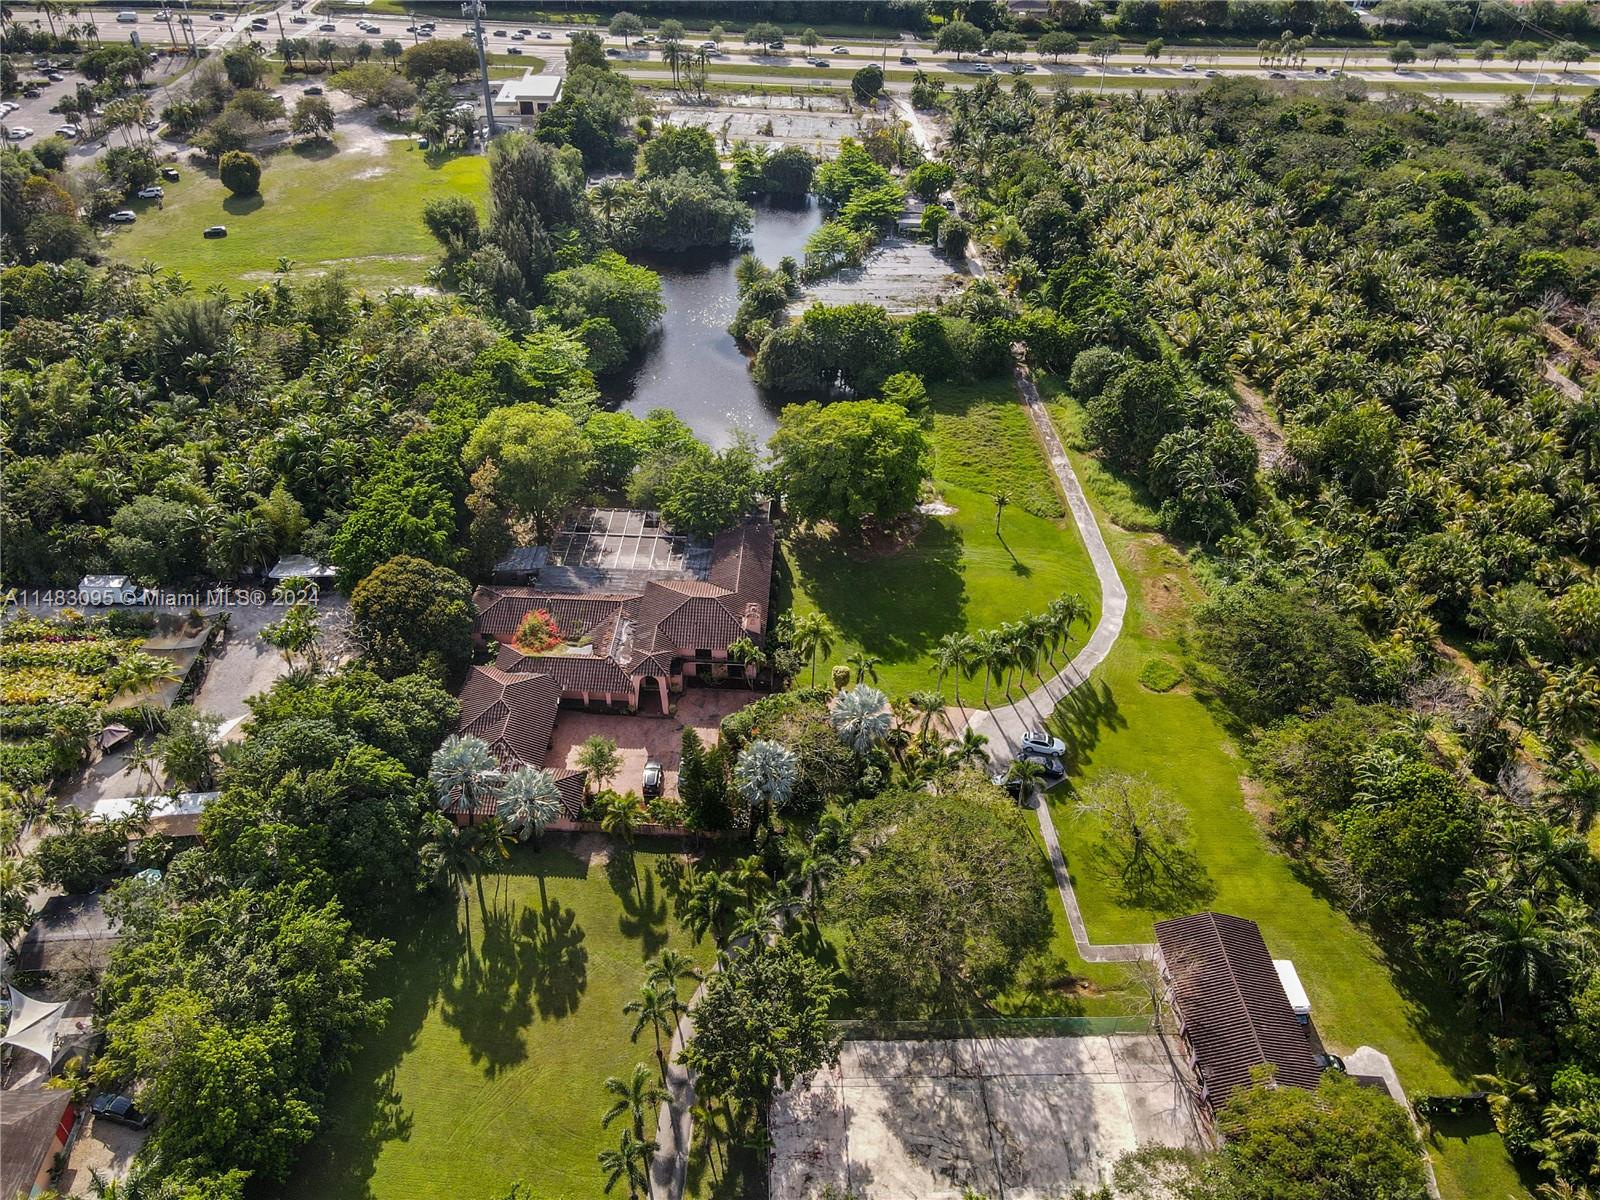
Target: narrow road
(1005,726)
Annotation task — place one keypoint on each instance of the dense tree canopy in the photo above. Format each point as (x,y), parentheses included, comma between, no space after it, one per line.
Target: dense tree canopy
(849,461)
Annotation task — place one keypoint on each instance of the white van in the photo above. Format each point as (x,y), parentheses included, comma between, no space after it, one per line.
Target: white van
(128,18)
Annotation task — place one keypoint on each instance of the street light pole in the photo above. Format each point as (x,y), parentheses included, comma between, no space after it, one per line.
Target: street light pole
(474,9)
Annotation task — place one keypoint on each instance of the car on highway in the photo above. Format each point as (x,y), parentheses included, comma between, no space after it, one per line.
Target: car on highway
(613,52)
(1039,741)
(544,35)
(185,19)
(519,37)
(500,33)
(154,192)
(907,61)
(513,49)
(327,27)
(1141,70)
(1212,74)
(18,133)
(1190,68)
(219,16)
(215,231)
(123,216)
(299,19)
(982,69)
(650,784)
(840,50)
(1276,75)
(986,53)
(259,24)
(118,1108)
(127,18)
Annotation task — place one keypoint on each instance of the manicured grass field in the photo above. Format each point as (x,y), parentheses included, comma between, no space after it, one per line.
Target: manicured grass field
(356,206)
(957,575)
(1118,724)
(490,1069)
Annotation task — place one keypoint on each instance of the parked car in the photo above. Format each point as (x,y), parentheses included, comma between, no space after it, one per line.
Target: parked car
(1003,780)
(30,93)
(69,131)
(119,1109)
(170,174)
(1053,766)
(19,133)
(314,90)
(153,192)
(8,107)
(215,231)
(1331,1062)
(1038,741)
(123,216)
(650,785)
(54,76)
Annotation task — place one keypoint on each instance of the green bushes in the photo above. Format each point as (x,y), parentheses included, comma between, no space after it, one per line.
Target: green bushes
(240,172)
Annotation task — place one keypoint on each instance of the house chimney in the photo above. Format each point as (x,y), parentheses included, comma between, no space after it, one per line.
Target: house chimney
(752,618)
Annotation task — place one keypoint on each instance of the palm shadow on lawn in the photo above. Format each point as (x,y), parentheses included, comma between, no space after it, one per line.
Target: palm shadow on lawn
(644,906)
(896,606)
(1081,718)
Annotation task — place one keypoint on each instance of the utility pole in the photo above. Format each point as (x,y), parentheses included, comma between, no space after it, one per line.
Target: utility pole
(474,9)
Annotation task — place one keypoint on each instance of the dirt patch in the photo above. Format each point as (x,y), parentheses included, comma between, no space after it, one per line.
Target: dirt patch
(1257,801)
(901,275)
(936,508)
(593,849)
(1164,589)
(875,542)
(1258,423)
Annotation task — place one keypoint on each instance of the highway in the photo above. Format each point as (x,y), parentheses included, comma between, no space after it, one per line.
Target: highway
(735,62)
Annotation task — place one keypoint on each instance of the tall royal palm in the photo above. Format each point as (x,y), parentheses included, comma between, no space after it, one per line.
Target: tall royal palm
(655,1009)
(631,1161)
(632,1096)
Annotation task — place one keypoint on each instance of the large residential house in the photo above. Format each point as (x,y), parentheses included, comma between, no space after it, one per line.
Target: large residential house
(637,612)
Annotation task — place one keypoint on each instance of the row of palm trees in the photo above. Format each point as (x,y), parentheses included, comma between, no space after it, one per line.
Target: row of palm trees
(1023,646)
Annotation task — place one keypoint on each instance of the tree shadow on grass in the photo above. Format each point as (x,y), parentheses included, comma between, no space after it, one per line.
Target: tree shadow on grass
(556,960)
(317,151)
(644,914)
(487,1000)
(242,206)
(365,1109)
(1080,720)
(895,605)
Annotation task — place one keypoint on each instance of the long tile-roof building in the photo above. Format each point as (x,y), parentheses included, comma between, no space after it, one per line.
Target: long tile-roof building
(1231,1004)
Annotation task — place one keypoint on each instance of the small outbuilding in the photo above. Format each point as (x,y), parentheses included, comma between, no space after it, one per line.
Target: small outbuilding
(528,96)
(301,566)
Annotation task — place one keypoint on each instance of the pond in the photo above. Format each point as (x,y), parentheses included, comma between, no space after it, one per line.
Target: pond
(693,366)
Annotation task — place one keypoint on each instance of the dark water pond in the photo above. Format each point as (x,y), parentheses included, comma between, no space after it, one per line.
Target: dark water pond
(694,367)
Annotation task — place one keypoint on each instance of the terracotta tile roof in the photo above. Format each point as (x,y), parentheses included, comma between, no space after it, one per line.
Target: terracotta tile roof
(1233,1008)
(514,713)
(741,561)
(573,672)
(671,619)
(569,782)
(501,612)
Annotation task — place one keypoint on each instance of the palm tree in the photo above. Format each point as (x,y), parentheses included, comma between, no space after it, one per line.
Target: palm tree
(1027,772)
(813,636)
(711,899)
(462,772)
(634,1096)
(1513,951)
(655,1009)
(861,716)
(929,705)
(449,854)
(137,672)
(529,800)
(1001,499)
(990,654)
(606,193)
(866,665)
(621,815)
(765,774)
(952,656)
(631,1158)
(969,748)
(669,967)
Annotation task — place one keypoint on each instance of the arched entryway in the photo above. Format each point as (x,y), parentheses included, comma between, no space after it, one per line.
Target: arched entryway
(651,697)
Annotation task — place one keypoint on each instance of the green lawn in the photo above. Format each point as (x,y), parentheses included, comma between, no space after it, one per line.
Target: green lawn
(334,207)
(489,1070)
(1117,724)
(957,575)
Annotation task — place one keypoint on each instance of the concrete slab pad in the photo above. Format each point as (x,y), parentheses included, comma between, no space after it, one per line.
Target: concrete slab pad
(1035,1056)
(924,1138)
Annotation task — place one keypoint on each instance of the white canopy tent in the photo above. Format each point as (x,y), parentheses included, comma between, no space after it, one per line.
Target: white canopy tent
(35,1024)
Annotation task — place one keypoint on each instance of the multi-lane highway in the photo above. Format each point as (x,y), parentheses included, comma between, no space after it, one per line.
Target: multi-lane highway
(831,62)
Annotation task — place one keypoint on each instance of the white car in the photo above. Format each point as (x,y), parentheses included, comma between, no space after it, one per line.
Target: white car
(69,131)
(519,37)
(153,192)
(983,69)
(18,133)
(124,216)
(1037,741)
(8,107)
(840,50)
